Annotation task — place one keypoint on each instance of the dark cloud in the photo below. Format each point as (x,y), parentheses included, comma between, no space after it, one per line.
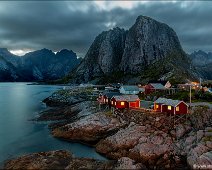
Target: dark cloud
(74,25)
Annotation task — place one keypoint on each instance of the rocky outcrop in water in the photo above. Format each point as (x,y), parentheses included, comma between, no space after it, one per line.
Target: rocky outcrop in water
(59,159)
(148,50)
(89,129)
(62,159)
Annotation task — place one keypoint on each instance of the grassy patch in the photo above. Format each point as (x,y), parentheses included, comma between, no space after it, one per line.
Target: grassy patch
(207,138)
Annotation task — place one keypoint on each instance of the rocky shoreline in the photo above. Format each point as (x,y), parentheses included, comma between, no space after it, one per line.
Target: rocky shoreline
(133,139)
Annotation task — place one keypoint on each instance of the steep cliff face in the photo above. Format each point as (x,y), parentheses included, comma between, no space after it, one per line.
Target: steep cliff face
(149,50)
(103,57)
(148,41)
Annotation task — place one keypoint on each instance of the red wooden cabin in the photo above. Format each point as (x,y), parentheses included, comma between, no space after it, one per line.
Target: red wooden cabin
(125,101)
(105,98)
(152,87)
(170,106)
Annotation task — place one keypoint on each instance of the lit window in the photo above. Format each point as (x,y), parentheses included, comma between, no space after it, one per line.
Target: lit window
(107,100)
(115,103)
(122,103)
(169,108)
(112,102)
(177,108)
(157,106)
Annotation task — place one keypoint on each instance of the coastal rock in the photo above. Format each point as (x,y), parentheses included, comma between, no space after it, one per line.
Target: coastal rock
(150,151)
(43,160)
(200,155)
(181,130)
(127,163)
(118,145)
(56,160)
(88,163)
(57,99)
(89,129)
(136,143)
(68,113)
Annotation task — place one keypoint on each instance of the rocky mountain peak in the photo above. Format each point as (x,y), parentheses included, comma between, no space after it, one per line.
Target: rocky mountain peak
(147,42)
(65,52)
(126,55)
(4,50)
(104,55)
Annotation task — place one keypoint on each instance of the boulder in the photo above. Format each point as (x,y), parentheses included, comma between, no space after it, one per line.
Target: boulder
(56,160)
(42,160)
(89,129)
(117,145)
(127,163)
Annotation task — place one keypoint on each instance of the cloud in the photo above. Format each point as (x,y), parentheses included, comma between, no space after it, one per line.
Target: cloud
(74,25)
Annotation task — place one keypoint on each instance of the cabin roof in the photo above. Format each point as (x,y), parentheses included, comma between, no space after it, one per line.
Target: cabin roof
(128,98)
(168,101)
(130,88)
(157,85)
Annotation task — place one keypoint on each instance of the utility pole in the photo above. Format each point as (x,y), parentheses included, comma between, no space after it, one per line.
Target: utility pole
(200,83)
(190,94)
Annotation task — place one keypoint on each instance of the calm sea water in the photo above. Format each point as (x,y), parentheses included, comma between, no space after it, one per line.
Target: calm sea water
(19,103)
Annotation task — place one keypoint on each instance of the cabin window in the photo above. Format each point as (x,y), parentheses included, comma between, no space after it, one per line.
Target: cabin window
(112,102)
(169,108)
(177,109)
(115,103)
(157,106)
(122,103)
(106,100)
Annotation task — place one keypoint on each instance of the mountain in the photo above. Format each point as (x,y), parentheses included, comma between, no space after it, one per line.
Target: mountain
(103,56)
(201,58)
(38,65)
(13,59)
(203,63)
(7,71)
(149,50)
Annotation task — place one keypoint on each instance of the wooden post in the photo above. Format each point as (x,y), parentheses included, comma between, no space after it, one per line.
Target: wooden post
(190,94)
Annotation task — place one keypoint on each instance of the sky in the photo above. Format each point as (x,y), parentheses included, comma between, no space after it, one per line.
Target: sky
(31,25)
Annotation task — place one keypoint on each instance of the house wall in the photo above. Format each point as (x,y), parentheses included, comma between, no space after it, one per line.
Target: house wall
(165,109)
(159,107)
(135,104)
(183,108)
(118,104)
(149,89)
